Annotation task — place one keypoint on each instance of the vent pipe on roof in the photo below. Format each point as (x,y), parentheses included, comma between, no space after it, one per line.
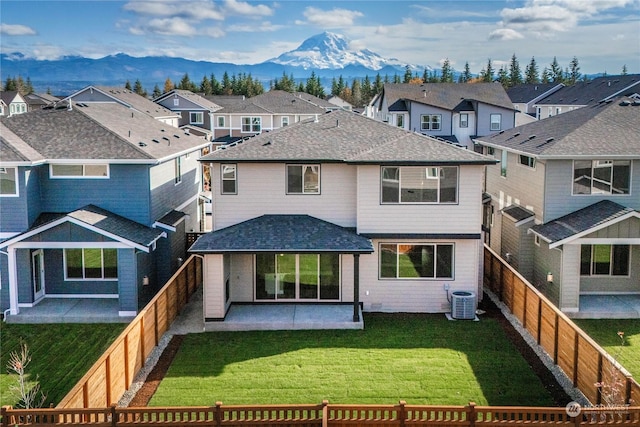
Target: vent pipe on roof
(70,105)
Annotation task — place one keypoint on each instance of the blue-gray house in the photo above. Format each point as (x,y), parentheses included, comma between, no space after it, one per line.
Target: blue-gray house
(95,201)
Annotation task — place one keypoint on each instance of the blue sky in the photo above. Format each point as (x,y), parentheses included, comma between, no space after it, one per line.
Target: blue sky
(603,34)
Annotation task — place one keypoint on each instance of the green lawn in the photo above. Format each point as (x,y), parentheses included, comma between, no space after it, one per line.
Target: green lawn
(60,355)
(423,359)
(605,333)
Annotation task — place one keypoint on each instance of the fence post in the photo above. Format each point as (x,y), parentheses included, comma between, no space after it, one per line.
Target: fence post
(402,414)
(114,416)
(325,413)
(627,392)
(218,414)
(556,334)
(5,418)
(599,399)
(471,414)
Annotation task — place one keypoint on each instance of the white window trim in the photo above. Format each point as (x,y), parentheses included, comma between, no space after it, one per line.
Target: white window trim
(218,120)
(84,279)
(303,192)
(83,176)
(491,122)
(17,181)
(527,166)
(251,124)
(427,176)
(434,244)
(609,275)
(235,178)
(429,122)
(284,121)
(611,194)
(198,114)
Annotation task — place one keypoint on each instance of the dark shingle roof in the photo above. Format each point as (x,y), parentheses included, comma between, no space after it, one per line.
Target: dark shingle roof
(527,92)
(342,136)
(448,95)
(283,233)
(198,100)
(594,91)
(606,129)
(580,221)
(172,218)
(517,213)
(272,102)
(137,102)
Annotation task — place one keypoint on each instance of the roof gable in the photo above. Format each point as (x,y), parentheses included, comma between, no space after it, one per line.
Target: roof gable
(594,91)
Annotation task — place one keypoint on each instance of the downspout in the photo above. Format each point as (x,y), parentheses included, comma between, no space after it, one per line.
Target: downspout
(4,313)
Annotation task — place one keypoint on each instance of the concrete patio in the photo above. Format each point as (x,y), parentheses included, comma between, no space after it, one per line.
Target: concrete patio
(71,310)
(608,307)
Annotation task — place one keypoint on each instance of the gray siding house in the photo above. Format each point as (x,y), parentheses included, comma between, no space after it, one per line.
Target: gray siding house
(195,111)
(94,204)
(342,209)
(563,206)
(454,112)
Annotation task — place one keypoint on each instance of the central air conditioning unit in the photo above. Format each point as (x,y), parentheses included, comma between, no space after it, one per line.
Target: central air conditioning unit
(463,305)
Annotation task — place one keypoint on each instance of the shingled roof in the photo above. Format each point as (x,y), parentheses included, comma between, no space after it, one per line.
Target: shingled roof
(608,129)
(272,102)
(283,233)
(447,95)
(594,91)
(343,136)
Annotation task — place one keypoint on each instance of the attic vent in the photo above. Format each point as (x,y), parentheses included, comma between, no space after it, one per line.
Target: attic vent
(625,103)
(177,136)
(548,140)
(165,138)
(266,143)
(156,141)
(531,136)
(636,102)
(161,130)
(516,134)
(142,144)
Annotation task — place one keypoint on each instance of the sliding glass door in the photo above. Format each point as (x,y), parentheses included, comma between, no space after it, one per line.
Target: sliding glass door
(297,277)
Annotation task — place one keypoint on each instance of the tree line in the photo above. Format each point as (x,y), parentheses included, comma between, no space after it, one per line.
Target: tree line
(358,92)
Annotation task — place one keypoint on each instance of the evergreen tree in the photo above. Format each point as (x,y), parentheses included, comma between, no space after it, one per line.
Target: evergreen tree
(339,86)
(425,76)
(503,77)
(556,74)
(545,77)
(446,74)
(624,70)
(226,84)
(366,90)
(486,74)
(127,85)
(10,84)
(137,88)
(396,79)
(531,72)
(156,91)
(466,74)
(216,88)
(515,74)
(407,74)
(356,93)
(378,84)
(168,85)
(28,87)
(574,71)
(187,84)
(205,86)
(301,88)
(48,91)
(313,85)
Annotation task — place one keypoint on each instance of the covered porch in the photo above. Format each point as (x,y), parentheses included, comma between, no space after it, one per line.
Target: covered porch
(71,310)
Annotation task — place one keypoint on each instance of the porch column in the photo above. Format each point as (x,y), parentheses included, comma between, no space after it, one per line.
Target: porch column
(356,287)
(13,280)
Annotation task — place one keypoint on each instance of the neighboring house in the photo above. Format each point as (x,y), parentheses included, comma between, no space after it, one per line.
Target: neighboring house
(14,102)
(36,101)
(525,97)
(3,107)
(454,112)
(95,202)
(100,94)
(340,103)
(565,200)
(196,112)
(591,92)
(343,209)
(242,118)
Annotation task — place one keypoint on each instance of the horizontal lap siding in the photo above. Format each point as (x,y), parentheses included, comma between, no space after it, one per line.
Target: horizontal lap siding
(463,217)
(417,295)
(214,287)
(166,195)
(262,190)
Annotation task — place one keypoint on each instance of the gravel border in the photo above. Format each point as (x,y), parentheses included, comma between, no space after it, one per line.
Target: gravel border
(547,360)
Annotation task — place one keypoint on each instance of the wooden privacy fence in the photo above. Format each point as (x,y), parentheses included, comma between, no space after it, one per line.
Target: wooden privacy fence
(324,415)
(113,373)
(582,359)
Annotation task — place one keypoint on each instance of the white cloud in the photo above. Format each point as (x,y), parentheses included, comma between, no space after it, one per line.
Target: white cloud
(264,26)
(244,8)
(505,34)
(334,18)
(16,30)
(214,32)
(170,27)
(195,10)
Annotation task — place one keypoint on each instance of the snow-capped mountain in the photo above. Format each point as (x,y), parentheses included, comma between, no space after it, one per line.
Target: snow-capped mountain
(332,51)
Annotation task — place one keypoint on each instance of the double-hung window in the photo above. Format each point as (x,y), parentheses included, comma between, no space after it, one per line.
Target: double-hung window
(496,122)
(284,121)
(88,171)
(527,161)
(251,124)
(601,177)
(196,117)
(417,184)
(430,121)
(464,120)
(8,182)
(416,260)
(605,260)
(220,121)
(91,264)
(400,120)
(229,179)
(303,179)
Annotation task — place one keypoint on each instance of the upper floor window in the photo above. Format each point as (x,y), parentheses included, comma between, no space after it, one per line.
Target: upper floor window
(604,260)
(8,182)
(538,112)
(464,120)
(496,122)
(416,261)
(601,176)
(400,120)
(79,171)
(303,179)
(284,121)
(220,121)
(176,102)
(415,184)
(251,124)
(177,165)
(527,161)
(229,179)
(558,110)
(91,264)
(196,117)
(430,121)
